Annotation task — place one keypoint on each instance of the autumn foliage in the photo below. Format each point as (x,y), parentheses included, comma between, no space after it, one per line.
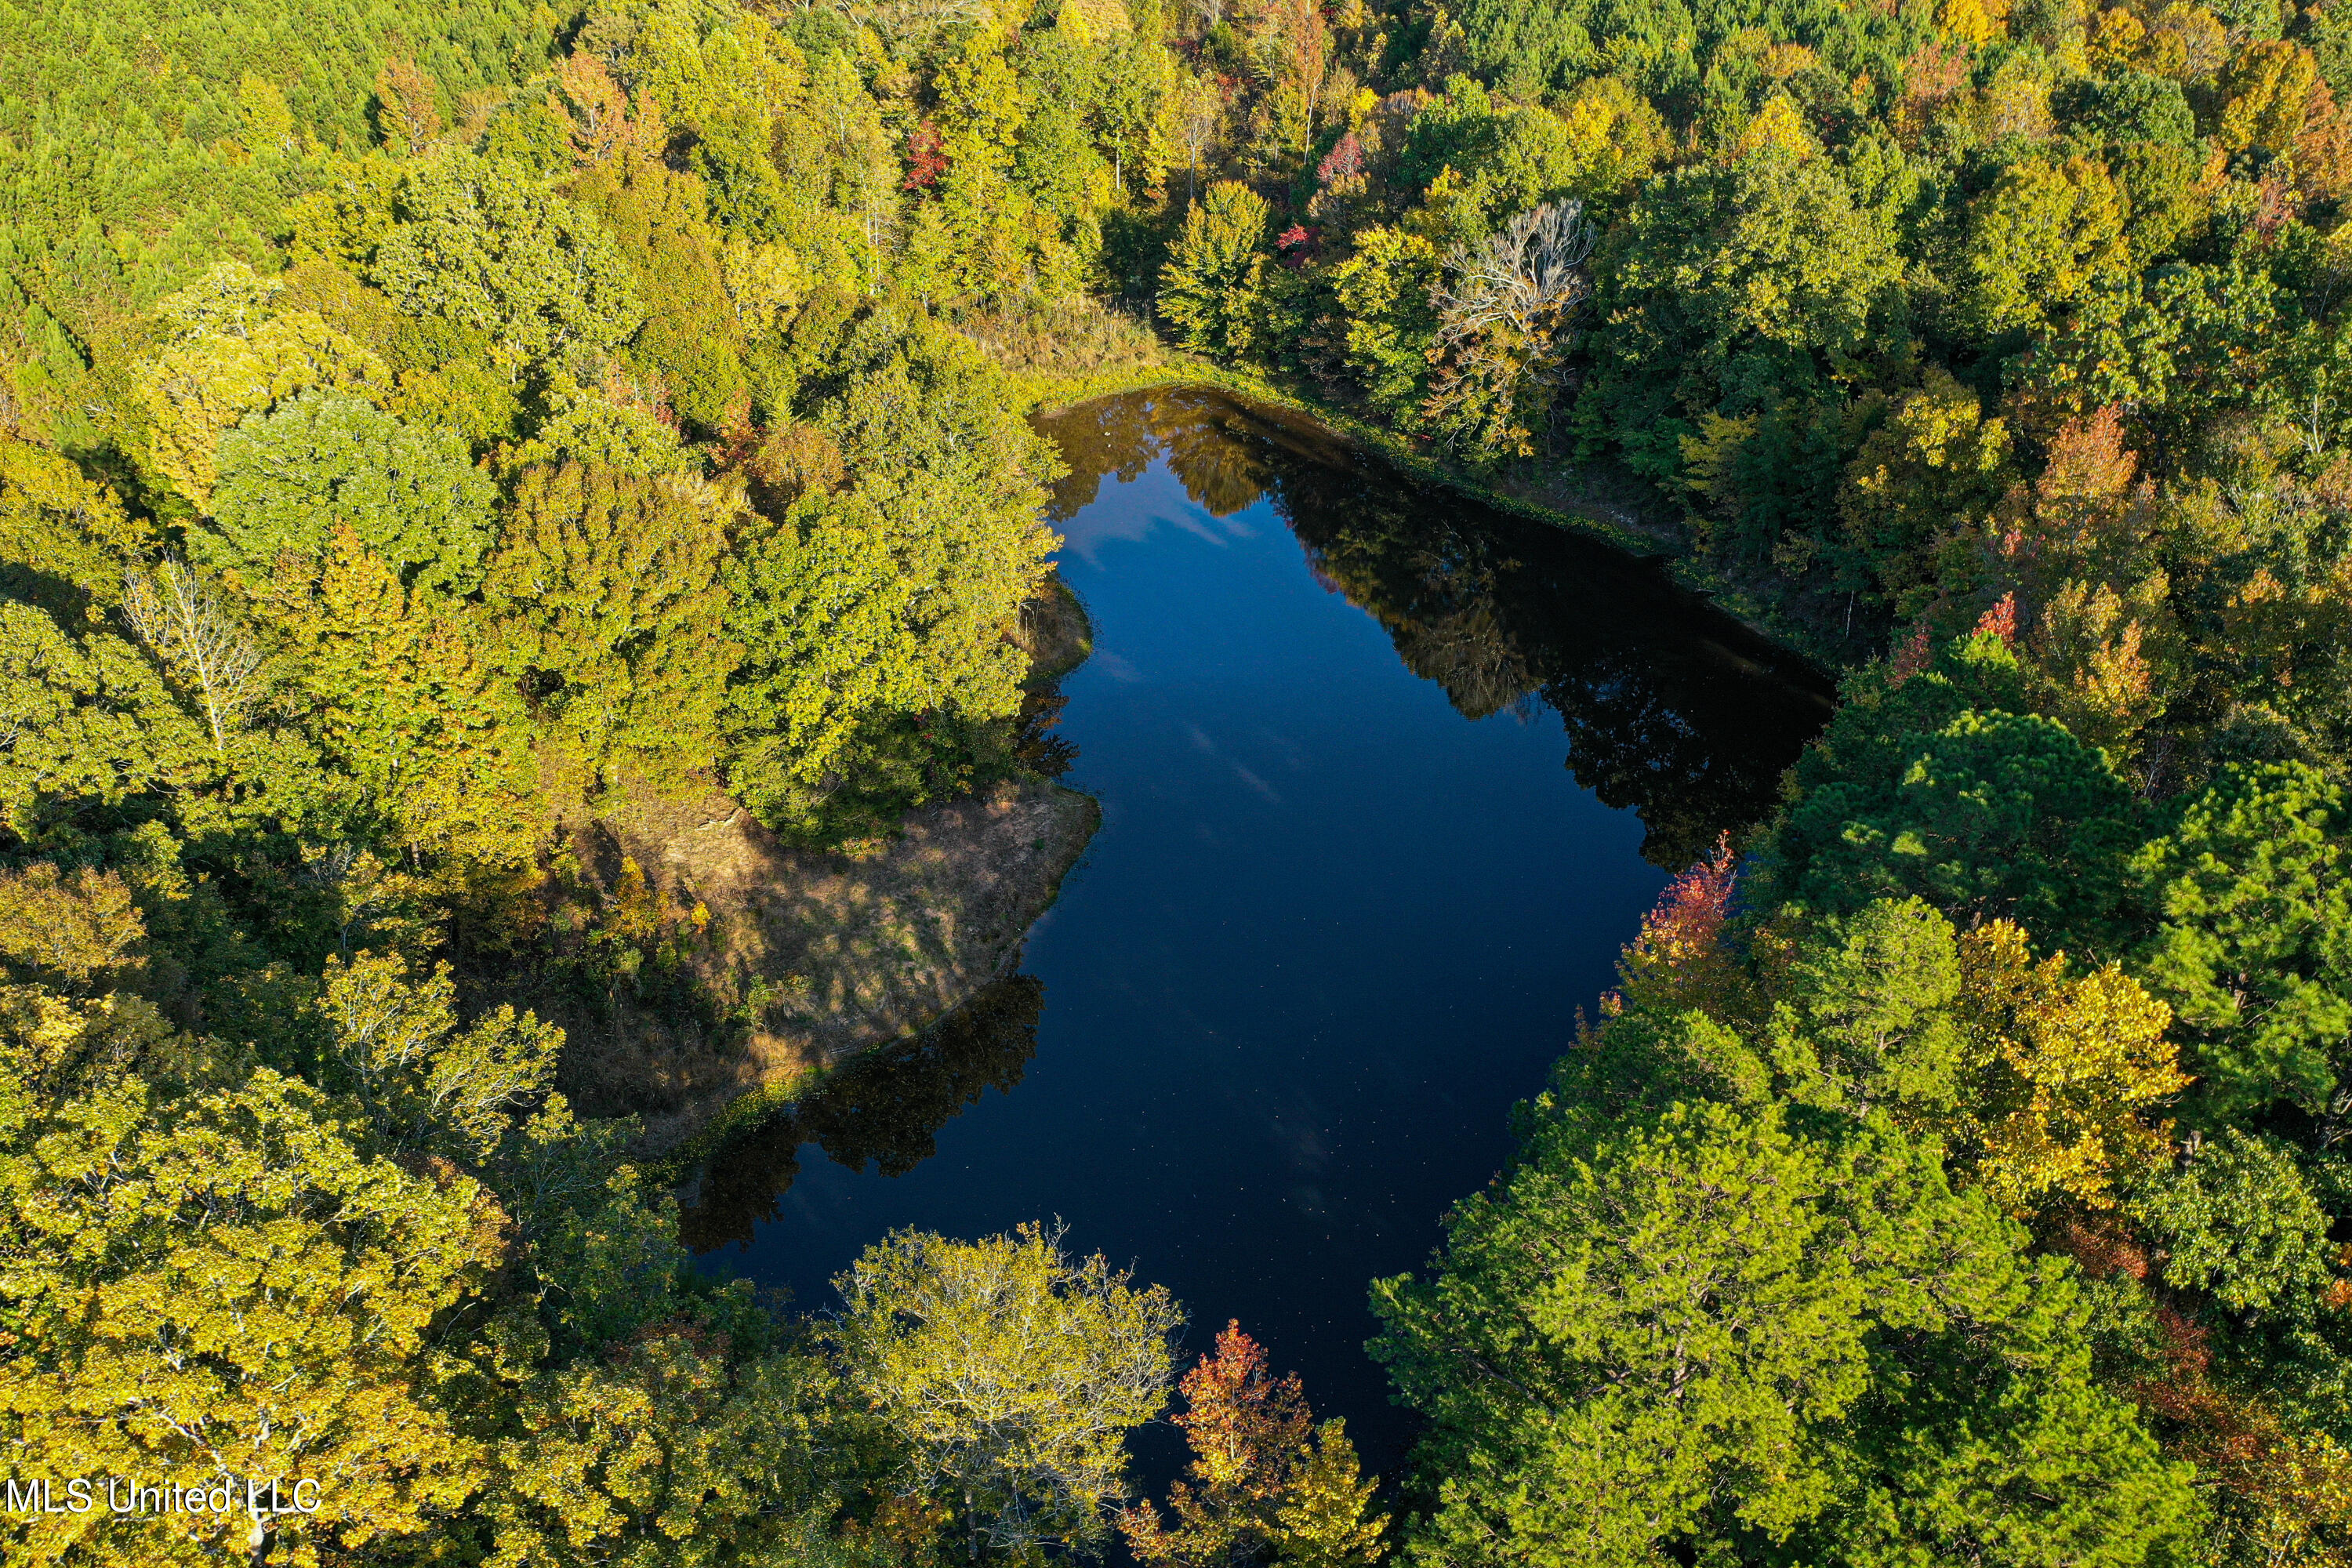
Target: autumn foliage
(1264,1482)
(2069,1073)
(1680,959)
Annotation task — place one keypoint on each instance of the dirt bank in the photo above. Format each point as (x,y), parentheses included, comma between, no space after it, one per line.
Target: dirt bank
(808,957)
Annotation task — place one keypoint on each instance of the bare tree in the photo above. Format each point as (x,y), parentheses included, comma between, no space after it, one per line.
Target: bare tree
(188,624)
(877,207)
(1198,112)
(1527,278)
(1504,307)
(903,22)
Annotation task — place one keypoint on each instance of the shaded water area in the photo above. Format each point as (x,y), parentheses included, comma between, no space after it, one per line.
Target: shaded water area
(1386,779)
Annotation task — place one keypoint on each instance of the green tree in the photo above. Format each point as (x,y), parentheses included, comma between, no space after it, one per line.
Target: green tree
(1134,118)
(866,609)
(2251,890)
(1707,1333)
(89,723)
(480,243)
(1530,46)
(689,339)
(1012,1372)
(64,541)
(1983,811)
(320,461)
(588,426)
(1775,251)
(1383,289)
(1863,1017)
(2037,239)
(684,1452)
(2241,1223)
(1505,158)
(608,595)
(1214,287)
(1728,288)
(2128,106)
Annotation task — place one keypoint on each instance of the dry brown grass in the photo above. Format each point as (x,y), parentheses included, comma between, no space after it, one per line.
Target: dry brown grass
(1078,337)
(829,953)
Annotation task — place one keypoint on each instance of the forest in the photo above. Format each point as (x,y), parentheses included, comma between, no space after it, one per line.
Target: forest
(425,425)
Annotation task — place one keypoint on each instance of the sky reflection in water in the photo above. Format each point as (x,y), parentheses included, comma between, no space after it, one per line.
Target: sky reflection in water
(1344,905)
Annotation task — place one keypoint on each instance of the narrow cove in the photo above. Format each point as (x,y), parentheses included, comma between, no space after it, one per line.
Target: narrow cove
(1346,900)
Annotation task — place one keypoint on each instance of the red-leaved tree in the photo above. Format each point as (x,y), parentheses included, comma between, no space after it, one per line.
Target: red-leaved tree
(1680,960)
(926,156)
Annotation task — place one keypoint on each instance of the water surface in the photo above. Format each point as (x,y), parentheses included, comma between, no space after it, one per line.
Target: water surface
(1387,778)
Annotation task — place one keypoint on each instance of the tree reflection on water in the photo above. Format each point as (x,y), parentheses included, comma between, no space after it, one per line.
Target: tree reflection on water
(886,1107)
(1672,708)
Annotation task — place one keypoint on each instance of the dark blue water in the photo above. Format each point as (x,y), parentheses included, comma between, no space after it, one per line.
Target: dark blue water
(1345,903)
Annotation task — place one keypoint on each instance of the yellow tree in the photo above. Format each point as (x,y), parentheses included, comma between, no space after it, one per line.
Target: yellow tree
(595,111)
(1936,465)
(55,524)
(2061,1072)
(1973,23)
(1617,137)
(219,1289)
(1013,1374)
(68,929)
(2264,93)
(992,221)
(2089,668)
(607,591)
(2038,239)
(74,952)
(197,388)
(668,1452)
(399,692)
(421,1081)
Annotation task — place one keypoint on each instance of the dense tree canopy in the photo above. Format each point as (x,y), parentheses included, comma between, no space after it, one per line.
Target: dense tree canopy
(426,429)
(426,433)
(1683,1335)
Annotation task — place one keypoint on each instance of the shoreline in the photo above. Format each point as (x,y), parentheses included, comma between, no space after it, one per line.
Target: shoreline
(843,953)
(1056,631)
(1047,393)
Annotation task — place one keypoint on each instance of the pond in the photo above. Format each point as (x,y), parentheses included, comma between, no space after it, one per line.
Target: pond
(1386,779)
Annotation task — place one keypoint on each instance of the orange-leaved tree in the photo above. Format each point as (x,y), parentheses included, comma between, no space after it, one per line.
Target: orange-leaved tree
(1265,1483)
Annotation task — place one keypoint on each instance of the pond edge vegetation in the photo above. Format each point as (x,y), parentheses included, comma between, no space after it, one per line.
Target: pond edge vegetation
(433,429)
